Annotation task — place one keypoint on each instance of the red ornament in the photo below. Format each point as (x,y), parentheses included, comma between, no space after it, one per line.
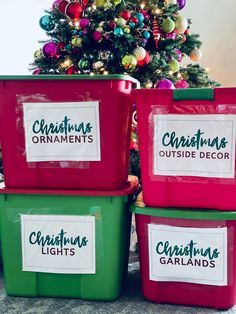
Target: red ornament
(134,19)
(145,61)
(71,70)
(155,31)
(61,46)
(126,14)
(74,10)
(84,3)
(112,25)
(97,35)
(61,5)
(183,38)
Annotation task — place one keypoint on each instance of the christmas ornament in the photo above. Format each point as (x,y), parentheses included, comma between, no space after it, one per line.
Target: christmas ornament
(105,55)
(126,29)
(171,35)
(116,2)
(121,22)
(118,32)
(74,10)
(84,64)
(61,5)
(46,23)
(155,31)
(50,50)
(173,65)
(38,54)
(60,46)
(181,4)
(195,55)
(182,84)
(97,35)
(140,17)
(165,84)
(139,53)
(84,23)
(146,34)
(129,62)
(71,70)
(54,5)
(100,3)
(179,55)
(167,3)
(168,25)
(98,65)
(76,42)
(181,24)
(66,63)
(36,71)
(125,14)
(145,61)
(112,25)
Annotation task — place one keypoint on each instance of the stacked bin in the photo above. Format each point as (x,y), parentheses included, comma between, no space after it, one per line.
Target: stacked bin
(64,212)
(186,234)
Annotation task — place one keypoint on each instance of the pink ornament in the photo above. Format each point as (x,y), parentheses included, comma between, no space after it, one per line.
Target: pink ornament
(84,23)
(182,84)
(179,55)
(97,35)
(36,71)
(171,35)
(50,50)
(165,84)
(55,4)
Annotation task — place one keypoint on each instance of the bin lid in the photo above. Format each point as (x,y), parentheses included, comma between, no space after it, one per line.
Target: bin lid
(130,187)
(188,213)
(70,77)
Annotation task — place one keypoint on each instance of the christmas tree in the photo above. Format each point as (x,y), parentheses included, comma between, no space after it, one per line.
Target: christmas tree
(145,39)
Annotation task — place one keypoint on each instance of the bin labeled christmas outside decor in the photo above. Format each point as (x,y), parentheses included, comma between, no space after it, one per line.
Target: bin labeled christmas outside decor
(65,243)
(187,257)
(59,131)
(187,147)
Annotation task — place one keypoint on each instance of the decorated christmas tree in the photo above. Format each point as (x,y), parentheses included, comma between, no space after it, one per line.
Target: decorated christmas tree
(146,39)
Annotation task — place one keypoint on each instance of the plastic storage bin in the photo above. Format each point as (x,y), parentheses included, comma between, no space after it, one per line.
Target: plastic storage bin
(65,243)
(187,257)
(57,131)
(187,147)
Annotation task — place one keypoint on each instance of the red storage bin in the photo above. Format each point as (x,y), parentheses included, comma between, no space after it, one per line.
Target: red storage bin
(65,132)
(187,147)
(187,257)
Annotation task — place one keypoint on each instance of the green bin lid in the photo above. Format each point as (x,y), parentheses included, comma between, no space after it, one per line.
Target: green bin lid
(188,213)
(194,94)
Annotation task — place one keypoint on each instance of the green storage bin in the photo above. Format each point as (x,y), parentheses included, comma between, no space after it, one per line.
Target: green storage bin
(112,234)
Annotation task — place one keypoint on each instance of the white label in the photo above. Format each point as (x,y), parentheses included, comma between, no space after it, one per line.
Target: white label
(58,244)
(194,145)
(196,255)
(62,131)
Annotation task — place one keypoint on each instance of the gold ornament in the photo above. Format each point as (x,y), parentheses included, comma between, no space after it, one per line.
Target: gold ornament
(76,42)
(38,54)
(167,3)
(195,55)
(100,3)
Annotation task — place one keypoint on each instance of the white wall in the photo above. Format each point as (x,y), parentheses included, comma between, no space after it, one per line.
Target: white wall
(213,20)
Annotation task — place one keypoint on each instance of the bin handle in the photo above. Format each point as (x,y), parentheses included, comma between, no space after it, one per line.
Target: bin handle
(193,94)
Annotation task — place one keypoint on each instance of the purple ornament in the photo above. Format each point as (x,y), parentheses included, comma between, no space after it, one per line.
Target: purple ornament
(50,50)
(165,84)
(171,35)
(36,71)
(84,23)
(97,35)
(181,4)
(179,55)
(182,84)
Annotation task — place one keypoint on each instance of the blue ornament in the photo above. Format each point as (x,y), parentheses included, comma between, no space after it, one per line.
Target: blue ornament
(118,32)
(74,32)
(140,17)
(132,24)
(46,23)
(141,25)
(146,34)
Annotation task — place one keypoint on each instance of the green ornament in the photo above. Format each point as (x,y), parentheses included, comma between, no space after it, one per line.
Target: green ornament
(129,62)
(173,65)
(126,29)
(168,25)
(100,3)
(121,22)
(84,64)
(116,2)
